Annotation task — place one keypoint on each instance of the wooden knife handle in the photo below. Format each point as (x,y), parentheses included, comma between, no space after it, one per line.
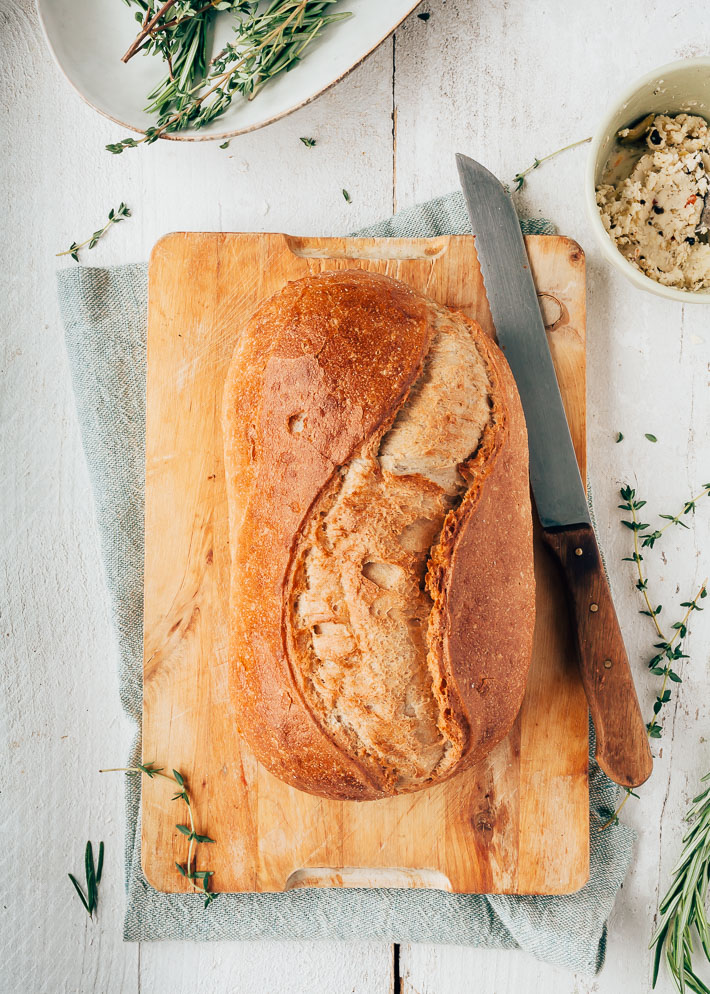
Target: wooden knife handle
(623,750)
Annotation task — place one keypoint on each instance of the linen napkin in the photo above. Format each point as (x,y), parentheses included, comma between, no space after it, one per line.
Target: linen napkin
(104,313)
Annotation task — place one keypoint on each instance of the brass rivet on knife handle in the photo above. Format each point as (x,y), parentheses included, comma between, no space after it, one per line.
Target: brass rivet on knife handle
(623,750)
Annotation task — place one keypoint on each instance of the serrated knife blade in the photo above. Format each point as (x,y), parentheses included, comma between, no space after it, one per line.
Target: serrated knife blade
(560,496)
(622,743)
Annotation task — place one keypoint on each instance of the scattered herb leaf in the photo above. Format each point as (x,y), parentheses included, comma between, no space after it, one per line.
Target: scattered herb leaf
(308,142)
(224,144)
(650,437)
(92,872)
(619,437)
(346,195)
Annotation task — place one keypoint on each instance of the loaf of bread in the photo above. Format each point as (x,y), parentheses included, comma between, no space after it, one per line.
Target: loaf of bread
(382,591)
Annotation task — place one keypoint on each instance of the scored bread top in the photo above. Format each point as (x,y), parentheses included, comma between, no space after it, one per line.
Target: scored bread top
(382,595)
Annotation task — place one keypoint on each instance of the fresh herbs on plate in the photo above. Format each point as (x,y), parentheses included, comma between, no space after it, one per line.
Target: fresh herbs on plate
(668,654)
(682,910)
(92,872)
(199,88)
(114,216)
(199,879)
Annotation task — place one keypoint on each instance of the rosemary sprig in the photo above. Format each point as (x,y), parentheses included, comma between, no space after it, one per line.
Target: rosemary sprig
(92,872)
(114,216)
(519,178)
(269,41)
(668,649)
(682,910)
(199,879)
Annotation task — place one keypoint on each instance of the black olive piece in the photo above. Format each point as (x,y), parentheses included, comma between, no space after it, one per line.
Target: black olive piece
(690,240)
(655,138)
(642,201)
(658,210)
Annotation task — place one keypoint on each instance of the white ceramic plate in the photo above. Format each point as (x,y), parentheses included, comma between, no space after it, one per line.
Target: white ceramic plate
(88,38)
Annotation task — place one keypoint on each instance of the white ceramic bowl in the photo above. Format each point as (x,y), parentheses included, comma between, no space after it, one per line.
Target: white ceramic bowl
(676,87)
(88,38)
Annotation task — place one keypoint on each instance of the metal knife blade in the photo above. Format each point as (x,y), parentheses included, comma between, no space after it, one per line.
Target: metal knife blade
(622,743)
(560,496)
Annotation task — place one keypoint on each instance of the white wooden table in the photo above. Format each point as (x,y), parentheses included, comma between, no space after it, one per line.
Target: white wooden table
(503,81)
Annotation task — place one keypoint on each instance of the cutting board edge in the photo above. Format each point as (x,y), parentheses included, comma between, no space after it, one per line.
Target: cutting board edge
(384,254)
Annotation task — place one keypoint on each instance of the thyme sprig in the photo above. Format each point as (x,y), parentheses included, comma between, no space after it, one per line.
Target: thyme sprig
(519,178)
(650,538)
(682,909)
(92,872)
(199,879)
(669,651)
(114,216)
(197,91)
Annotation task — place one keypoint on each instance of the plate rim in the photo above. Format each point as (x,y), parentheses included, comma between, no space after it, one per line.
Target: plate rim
(196,136)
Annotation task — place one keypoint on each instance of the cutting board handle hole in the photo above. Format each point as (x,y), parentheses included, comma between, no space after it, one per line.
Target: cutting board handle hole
(399,249)
(362,876)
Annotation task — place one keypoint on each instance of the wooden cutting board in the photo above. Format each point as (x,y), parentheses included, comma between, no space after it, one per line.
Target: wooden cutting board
(516,824)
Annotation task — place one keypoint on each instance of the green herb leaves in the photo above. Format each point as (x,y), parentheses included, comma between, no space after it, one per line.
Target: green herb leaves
(682,910)
(92,872)
(188,869)
(269,39)
(668,655)
(114,216)
(650,437)
(308,142)
(346,197)
(519,178)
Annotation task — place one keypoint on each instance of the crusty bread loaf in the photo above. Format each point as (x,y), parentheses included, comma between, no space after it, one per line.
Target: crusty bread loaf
(382,591)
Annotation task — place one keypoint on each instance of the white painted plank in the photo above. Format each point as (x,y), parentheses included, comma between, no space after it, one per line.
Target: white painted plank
(63,719)
(533,78)
(259,967)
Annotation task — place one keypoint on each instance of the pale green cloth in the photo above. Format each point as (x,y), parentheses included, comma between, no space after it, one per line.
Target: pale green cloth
(104,313)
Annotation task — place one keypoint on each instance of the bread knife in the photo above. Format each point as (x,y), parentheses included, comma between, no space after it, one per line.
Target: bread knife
(622,747)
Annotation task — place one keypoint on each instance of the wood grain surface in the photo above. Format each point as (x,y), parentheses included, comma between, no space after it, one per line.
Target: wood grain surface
(518,823)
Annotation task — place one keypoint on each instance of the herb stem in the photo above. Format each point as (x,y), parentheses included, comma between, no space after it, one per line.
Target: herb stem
(519,178)
(668,650)
(674,637)
(146,30)
(688,506)
(643,582)
(187,871)
(114,216)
